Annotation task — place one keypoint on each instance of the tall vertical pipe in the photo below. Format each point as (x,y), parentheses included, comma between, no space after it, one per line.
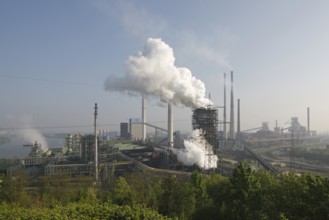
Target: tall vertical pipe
(130,135)
(308,122)
(238,124)
(170,126)
(144,118)
(224,112)
(96,143)
(232,133)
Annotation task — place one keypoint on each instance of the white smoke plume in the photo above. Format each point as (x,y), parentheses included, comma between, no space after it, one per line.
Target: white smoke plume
(197,151)
(28,134)
(31,136)
(153,73)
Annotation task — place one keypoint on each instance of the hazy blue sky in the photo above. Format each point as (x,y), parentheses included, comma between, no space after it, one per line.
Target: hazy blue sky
(56,55)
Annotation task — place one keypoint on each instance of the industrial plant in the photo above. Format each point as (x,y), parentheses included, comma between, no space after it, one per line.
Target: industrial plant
(213,146)
(165,151)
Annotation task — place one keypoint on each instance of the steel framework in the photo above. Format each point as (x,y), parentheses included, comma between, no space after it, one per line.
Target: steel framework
(206,119)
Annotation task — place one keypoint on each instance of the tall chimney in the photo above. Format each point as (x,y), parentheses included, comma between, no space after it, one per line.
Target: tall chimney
(308,121)
(232,133)
(144,118)
(96,143)
(238,124)
(170,126)
(224,112)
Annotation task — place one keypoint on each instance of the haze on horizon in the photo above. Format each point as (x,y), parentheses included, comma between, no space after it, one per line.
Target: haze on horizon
(55,57)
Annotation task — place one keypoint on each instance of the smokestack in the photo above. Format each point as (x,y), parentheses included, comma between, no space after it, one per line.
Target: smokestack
(170,126)
(308,121)
(238,124)
(130,136)
(224,113)
(232,133)
(144,118)
(96,143)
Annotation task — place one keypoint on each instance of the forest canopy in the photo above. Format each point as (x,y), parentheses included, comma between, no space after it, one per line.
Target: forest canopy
(247,194)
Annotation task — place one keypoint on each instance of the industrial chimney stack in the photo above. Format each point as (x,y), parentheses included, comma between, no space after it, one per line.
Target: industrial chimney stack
(96,143)
(144,118)
(170,126)
(224,112)
(232,132)
(308,122)
(238,124)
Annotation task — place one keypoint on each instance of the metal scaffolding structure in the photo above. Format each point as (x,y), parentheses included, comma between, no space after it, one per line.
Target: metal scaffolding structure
(69,169)
(206,119)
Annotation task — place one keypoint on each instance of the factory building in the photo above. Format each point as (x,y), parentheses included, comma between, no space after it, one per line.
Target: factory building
(80,145)
(124,132)
(297,129)
(136,129)
(265,132)
(107,134)
(73,143)
(88,148)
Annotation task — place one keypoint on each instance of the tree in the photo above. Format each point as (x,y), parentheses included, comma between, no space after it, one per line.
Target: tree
(291,196)
(88,196)
(2,190)
(79,211)
(304,197)
(199,184)
(218,189)
(263,197)
(13,188)
(153,194)
(123,194)
(242,183)
(178,198)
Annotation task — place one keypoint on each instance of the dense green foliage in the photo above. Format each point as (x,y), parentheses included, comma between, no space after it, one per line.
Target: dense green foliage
(80,211)
(247,194)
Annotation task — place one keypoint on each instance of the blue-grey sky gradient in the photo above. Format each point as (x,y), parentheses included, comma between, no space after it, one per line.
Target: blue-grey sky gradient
(56,55)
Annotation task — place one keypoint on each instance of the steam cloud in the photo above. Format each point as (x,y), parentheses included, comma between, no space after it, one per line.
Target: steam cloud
(32,135)
(28,135)
(197,151)
(152,72)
